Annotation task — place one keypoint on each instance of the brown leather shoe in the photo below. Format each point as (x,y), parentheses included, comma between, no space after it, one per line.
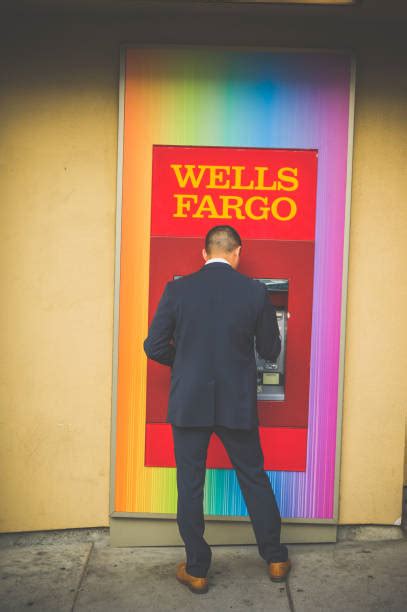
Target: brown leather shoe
(278,571)
(195,584)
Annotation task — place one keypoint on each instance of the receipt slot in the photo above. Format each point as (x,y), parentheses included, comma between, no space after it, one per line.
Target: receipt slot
(271,374)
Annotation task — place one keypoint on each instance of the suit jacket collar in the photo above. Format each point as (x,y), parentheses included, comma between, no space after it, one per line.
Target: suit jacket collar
(217,264)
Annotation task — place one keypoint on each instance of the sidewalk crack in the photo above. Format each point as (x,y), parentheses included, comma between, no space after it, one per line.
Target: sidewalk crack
(82,576)
(289,596)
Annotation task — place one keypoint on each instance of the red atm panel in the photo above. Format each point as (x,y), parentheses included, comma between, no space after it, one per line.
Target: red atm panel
(278,243)
(284,448)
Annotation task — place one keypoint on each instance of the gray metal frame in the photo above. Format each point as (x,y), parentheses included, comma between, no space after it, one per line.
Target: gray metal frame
(144,517)
(345,270)
(116,313)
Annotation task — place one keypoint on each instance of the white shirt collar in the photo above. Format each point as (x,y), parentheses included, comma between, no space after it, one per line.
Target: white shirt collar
(217,260)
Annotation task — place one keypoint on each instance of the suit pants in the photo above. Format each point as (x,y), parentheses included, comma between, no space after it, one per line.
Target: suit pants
(245,453)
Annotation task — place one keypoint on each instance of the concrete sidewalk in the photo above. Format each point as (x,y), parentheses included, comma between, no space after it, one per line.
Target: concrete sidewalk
(91,575)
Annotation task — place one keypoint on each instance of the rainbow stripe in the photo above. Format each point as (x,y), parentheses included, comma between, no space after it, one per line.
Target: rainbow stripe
(234,98)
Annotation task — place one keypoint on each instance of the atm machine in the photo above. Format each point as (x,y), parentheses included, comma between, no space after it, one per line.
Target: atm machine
(271,374)
(268,167)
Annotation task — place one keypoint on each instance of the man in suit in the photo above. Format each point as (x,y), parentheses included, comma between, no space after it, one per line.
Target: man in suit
(204,329)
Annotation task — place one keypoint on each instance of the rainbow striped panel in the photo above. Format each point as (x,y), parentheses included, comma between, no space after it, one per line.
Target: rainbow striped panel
(236,98)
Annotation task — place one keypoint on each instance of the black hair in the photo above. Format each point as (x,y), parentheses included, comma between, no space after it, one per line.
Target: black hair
(222,238)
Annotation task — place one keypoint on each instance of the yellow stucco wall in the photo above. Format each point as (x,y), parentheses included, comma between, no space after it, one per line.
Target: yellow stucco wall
(58,156)
(58,123)
(376,355)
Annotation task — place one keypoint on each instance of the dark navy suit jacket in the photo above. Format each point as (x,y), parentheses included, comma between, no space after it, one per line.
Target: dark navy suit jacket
(204,328)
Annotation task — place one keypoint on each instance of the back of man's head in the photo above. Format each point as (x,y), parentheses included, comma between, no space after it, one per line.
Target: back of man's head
(221,239)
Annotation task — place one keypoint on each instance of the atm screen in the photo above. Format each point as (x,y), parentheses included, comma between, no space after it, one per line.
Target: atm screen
(271,374)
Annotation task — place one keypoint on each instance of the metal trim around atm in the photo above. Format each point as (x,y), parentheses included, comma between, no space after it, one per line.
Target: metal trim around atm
(116,518)
(127,532)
